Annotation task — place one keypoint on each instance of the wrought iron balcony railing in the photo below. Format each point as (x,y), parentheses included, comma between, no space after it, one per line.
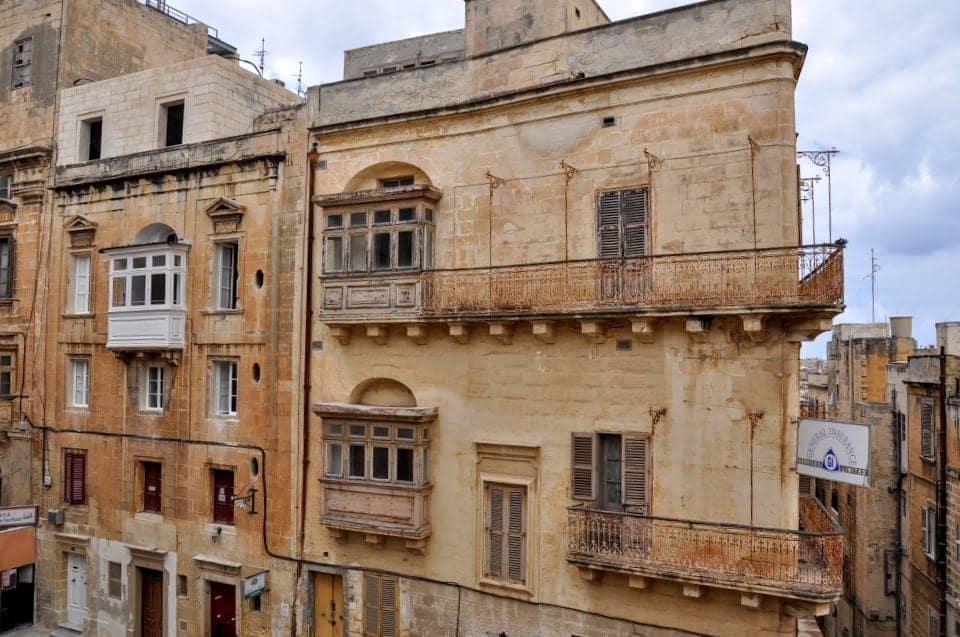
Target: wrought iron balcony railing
(747,280)
(805,564)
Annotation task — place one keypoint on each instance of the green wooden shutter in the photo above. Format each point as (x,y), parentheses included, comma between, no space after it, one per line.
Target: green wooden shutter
(583,480)
(634,208)
(371,605)
(608,225)
(635,463)
(516,534)
(495,532)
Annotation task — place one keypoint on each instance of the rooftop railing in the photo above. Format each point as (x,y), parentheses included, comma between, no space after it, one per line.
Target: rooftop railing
(163,7)
(804,564)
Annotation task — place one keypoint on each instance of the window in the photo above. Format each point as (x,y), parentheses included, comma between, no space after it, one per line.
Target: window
(384,452)
(622,223)
(226,276)
(22,61)
(156,388)
(380,605)
(145,280)
(222,496)
(151,501)
(114,580)
(171,123)
(928,531)
(74,477)
(79,382)
(393,183)
(8,373)
(80,292)
(182,588)
(6,267)
(91,138)
(225,388)
(926,429)
(611,471)
(6,186)
(505,510)
(400,238)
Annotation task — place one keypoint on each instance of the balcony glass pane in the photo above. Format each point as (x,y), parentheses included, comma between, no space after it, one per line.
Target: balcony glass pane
(358,219)
(119,295)
(334,254)
(335,221)
(333,429)
(159,260)
(138,290)
(158,289)
(381,463)
(405,249)
(405,432)
(407,214)
(357,461)
(140,262)
(381,432)
(119,264)
(176,289)
(404,465)
(381,251)
(334,460)
(358,253)
(381,216)
(358,430)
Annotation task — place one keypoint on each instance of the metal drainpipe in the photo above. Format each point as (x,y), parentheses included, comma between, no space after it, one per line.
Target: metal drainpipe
(898,545)
(942,495)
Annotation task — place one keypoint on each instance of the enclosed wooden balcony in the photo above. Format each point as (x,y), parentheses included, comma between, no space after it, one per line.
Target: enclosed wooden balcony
(777,280)
(803,564)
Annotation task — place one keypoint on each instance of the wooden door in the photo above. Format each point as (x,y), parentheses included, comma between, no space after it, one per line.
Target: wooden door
(151,487)
(327,605)
(151,603)
(223,610)
(611,473)
(223,496)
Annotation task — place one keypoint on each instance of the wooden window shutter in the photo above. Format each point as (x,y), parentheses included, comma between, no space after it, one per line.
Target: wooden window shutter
(516,534)
(74,472)
(495,531)
(583,480)
(926,429)
(924,525)
(371,605)
(388,606)
(634,222)
(806,486)
(635,464)
(608,225)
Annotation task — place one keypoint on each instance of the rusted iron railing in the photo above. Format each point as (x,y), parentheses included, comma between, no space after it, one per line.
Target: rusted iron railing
(805,276)
(806,564)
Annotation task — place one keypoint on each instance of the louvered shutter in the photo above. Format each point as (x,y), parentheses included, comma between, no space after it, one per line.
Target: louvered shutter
(608,225)
(516,535)
(371,603)
(634,206)
(495,532)
(388,607)
(75,478)
(806,486)
(926,430)
(583,479)
(924,524)
(635,462)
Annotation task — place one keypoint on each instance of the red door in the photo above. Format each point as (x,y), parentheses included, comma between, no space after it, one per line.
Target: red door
(151,487)
(223,610)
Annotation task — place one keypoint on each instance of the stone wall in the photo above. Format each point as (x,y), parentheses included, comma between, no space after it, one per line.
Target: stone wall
(438,47)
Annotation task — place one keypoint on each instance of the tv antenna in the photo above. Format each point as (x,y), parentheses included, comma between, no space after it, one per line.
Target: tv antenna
(874,269)
(262,53)
(300,80)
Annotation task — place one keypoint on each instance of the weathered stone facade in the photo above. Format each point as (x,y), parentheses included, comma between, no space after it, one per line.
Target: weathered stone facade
(462,294)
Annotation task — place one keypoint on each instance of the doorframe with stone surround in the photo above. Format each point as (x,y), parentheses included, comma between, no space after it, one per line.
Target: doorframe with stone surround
(219,572)
(69,544)
(146,559)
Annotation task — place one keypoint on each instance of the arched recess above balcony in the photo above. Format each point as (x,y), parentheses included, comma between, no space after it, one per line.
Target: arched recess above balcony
(383,392)
(388,175)
(156,233)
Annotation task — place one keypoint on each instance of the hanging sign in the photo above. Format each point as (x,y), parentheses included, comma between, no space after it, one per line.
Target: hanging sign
(836,451)
(254,585)
(18,516)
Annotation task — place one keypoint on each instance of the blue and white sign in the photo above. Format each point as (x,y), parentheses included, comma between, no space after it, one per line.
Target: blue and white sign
(837,451)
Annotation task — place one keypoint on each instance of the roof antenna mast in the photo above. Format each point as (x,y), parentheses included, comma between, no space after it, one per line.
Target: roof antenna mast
(262,53)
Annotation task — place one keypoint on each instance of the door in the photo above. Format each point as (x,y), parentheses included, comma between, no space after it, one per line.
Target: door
(327,605)
(223,610)
(611,473)
(151,603)
(76,590)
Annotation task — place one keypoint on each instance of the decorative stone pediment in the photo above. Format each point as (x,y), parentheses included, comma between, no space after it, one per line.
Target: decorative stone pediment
(226,215)
(81,230)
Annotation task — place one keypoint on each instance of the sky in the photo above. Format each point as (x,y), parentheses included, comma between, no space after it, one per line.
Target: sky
(880,84)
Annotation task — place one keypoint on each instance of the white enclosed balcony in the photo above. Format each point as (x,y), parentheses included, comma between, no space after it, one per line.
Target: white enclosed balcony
(147,283)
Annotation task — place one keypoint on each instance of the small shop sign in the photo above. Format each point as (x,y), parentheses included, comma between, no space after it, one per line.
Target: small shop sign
(18,516)
(255,585)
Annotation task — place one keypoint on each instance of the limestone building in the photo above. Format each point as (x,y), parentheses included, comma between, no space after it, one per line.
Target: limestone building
(172,335)
(559,298)
(46,46)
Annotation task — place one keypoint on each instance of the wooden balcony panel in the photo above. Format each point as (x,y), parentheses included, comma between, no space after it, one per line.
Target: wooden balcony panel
(777,279)
(804,564)
(376,509)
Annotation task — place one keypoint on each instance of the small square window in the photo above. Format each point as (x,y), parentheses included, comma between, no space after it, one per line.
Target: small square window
(333,429)
(358,219)
(381,216)
(182,586)
(381,432)
(358,431)
(334,221)
(405,432)
(114,579)
(392,183)
(407,214)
